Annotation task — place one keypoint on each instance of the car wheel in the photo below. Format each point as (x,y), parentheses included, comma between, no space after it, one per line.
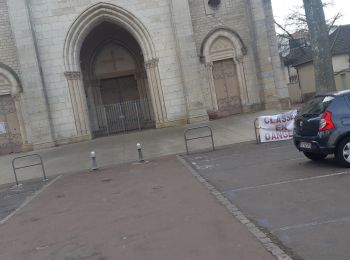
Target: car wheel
(315,156)
(343,152)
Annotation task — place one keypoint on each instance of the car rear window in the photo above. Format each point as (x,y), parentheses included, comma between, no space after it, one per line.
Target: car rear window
(317,105)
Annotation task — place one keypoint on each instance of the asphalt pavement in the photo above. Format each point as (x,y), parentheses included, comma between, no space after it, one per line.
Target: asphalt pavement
(302,204)
(152,211)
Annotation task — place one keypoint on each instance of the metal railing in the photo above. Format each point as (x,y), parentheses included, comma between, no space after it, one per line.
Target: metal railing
(27,166)
(199,137)
(123,117)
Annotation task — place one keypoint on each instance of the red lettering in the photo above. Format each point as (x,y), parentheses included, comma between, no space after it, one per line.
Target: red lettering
(281,127)
(274,137)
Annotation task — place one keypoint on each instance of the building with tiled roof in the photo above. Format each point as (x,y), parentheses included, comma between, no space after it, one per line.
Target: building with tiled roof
(299,64)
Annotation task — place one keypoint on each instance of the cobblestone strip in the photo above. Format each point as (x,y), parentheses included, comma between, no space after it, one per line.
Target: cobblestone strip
(270,246)
(29,199)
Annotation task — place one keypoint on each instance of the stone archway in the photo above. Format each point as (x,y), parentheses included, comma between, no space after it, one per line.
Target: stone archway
(13,137)
(223,53)
(115,81)
(80,29)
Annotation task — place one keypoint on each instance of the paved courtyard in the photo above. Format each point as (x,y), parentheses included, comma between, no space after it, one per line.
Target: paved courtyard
(151,211)
(305,205)
(118,149)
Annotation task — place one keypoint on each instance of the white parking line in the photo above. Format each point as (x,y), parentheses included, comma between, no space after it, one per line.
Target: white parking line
(287,182)
(311,224)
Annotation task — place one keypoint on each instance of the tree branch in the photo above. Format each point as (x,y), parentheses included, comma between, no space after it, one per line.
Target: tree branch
(283,29)
(333,21)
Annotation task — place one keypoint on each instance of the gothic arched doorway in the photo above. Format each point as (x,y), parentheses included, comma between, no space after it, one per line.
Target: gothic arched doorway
(12,131)
(115,81)
(224,51)
(99,31)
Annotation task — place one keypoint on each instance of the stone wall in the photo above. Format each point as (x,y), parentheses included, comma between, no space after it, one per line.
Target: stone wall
(177,29)
(51,21)
(230,14)
(270,72)
(8,55)
(252,21)
(36,112)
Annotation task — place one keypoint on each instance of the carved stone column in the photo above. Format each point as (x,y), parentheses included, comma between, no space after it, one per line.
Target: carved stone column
(92,91)
(156,92)
(78,99)
(17,100)
(239,60)
(209,67)
(140,78)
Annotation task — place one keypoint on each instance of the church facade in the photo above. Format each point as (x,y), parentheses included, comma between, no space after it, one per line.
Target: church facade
(72,70)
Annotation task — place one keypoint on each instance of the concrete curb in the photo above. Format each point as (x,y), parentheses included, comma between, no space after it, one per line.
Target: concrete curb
(267,243)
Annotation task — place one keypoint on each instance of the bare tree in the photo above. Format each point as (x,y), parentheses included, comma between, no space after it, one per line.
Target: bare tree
(296,22)
(321,50)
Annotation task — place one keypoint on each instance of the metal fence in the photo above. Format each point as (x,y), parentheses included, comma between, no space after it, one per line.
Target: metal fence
(123,117)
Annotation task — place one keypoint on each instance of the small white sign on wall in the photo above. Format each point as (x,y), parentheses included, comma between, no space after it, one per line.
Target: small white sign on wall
(2,128)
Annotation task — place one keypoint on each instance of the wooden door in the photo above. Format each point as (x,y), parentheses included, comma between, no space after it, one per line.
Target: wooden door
(10,134)
(227,88)
(118,90)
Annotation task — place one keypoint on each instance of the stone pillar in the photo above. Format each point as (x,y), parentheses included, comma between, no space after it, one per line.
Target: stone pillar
(79,105)
(209,67)
(140,79)
(90,88)
(156,92)
(36,109)
(188,60)
(25,146)
(239,60)
(266,51)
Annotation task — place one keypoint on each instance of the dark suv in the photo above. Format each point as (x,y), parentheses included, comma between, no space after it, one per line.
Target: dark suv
(322,127)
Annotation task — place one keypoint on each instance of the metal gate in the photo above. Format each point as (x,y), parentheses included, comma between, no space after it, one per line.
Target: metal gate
(123,117)
(10,134)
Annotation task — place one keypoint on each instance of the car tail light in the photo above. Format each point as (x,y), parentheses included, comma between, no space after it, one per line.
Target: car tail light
(326,122)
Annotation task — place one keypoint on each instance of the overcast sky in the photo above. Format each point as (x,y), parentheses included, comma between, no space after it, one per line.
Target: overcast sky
(281,9)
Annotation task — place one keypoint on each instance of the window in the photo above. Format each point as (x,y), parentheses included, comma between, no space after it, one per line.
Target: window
(293,75)
(316,106)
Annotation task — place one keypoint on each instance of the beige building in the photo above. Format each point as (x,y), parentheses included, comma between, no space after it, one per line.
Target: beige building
(72,70)
(300,69)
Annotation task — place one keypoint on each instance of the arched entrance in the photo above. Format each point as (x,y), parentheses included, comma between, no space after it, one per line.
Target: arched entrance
(223,51)
(111,61)
(115,81)
(12,132)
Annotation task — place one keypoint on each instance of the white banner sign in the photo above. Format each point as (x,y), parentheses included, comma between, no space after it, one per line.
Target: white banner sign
(2,128)
(276,127)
